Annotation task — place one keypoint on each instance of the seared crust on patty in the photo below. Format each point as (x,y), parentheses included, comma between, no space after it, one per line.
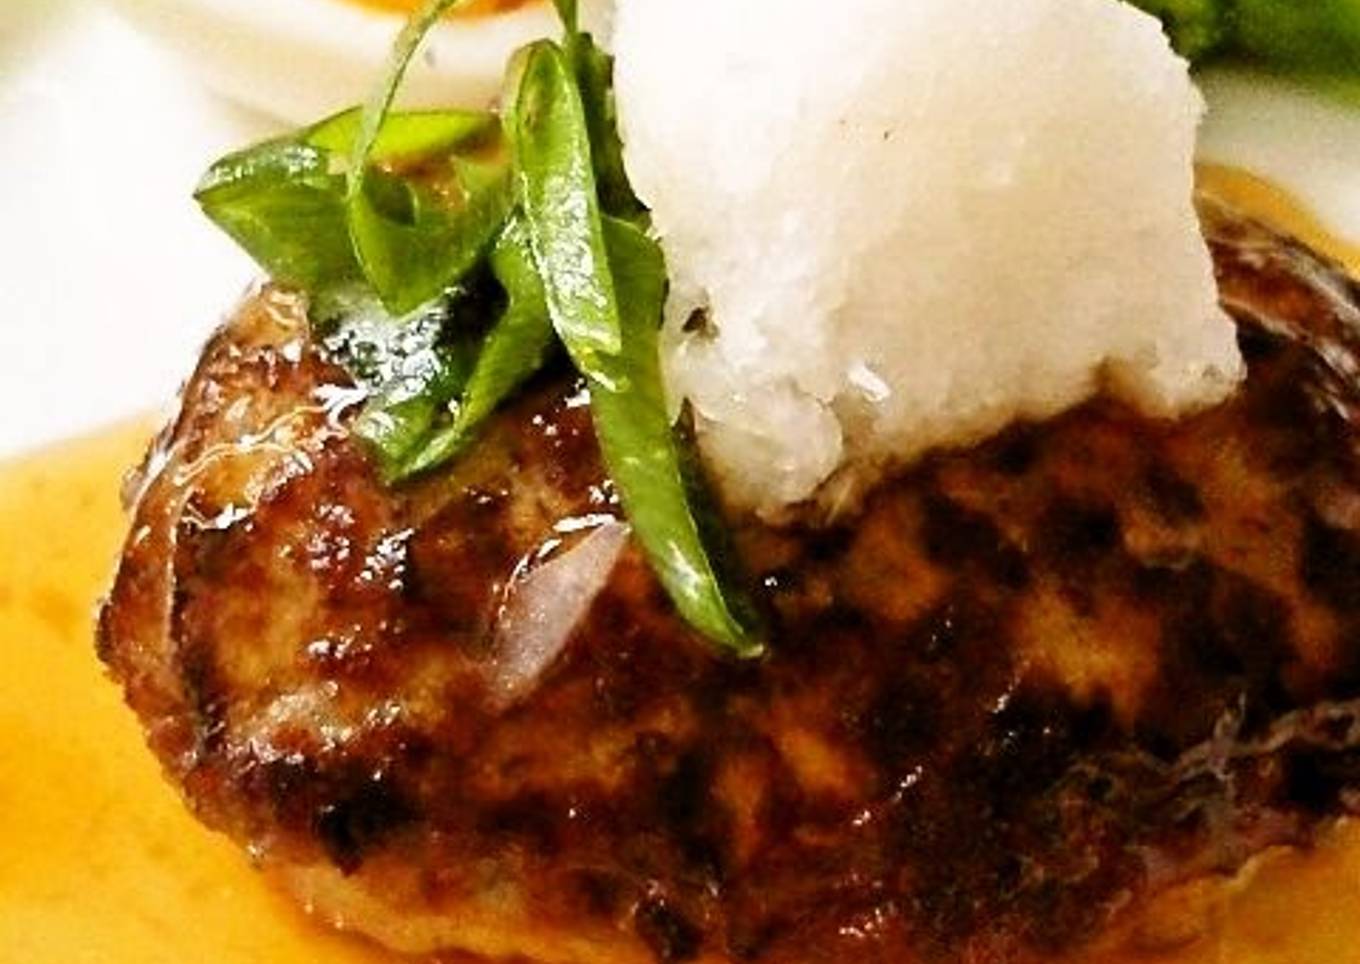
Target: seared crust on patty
(1030,684)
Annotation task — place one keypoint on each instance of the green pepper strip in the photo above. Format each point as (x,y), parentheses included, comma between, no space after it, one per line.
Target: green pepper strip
(557,191)
(516,348)
(411,243)
(640,449)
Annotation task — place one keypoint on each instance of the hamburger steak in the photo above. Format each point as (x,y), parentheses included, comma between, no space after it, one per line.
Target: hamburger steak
(1030,685)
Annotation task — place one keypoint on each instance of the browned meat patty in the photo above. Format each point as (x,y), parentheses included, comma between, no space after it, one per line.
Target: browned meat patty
(1034,682)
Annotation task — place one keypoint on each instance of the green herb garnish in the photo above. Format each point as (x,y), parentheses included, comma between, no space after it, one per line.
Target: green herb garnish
(595,75)
(555,182)
(284,201)
(411,370)
(638,439)
(399,419)
(515,349)
(284,204)
(413,240)
(399,224)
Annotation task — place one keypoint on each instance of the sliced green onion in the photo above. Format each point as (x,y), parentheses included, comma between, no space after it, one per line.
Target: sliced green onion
(641,452)
(413,242)
(283,200)
(410,368)
(398,420)
(567,12)
(595,76)
(406,137)
(611,333)
(375,113)
(556,187)
(516,348)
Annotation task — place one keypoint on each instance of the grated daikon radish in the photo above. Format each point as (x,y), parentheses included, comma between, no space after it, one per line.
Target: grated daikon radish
(905,223)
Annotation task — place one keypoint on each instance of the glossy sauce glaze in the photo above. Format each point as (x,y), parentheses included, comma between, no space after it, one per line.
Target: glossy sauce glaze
(102,862)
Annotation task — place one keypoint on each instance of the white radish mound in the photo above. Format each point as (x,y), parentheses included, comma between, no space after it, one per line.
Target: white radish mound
(908,222)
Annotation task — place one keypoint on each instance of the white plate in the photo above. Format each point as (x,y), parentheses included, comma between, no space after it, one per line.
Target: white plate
(110,279)
(1304,142)
(305,59)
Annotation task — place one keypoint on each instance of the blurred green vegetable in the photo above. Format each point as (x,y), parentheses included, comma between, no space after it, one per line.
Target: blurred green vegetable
(1318,40)
(515,349)
(1315,36)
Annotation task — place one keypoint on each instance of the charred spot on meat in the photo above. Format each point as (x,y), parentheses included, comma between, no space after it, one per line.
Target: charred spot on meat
(1031,682)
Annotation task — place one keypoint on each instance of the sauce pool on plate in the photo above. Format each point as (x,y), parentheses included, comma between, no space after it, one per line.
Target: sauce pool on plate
(102,863)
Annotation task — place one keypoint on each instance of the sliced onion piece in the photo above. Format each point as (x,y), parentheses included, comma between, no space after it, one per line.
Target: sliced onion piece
(544,605)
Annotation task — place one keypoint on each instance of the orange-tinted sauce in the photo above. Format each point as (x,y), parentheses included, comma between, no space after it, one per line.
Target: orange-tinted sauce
(100,861)
(477,8)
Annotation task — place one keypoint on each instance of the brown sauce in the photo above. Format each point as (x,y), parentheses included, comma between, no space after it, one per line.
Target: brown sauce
(103,863)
